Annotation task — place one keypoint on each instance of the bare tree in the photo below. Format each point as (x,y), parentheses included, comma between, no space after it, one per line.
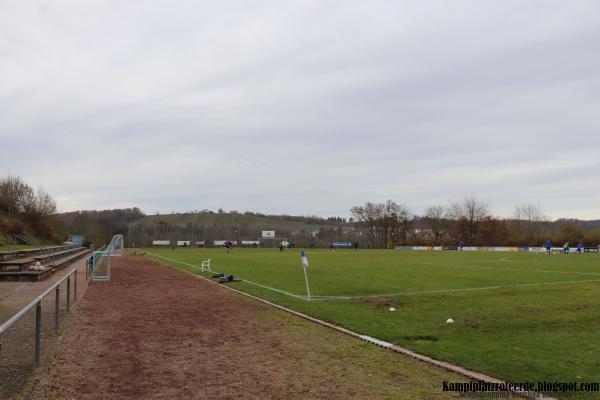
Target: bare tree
(529,212)
(383,222)
(530,219)
(434,221)
(15,196)
(405,220)
(44,203)
(368,217)
(472,210)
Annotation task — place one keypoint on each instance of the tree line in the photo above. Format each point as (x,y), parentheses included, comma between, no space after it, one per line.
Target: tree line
(469,220)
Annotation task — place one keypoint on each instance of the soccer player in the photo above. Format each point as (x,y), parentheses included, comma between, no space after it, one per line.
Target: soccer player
(355,246)
(461,245)
(548,246)
(579,247)
(566,247)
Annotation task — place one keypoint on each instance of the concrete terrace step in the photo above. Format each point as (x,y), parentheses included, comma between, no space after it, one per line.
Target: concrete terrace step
(31,276)
(22,264)
(11,255)
(19,264)
(61,262)
(58,254)
(49,269)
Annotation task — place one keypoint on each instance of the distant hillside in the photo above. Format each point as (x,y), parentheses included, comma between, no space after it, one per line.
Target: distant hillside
(209,226)
(246,221)
(140,229)
(98,227)
(585,225)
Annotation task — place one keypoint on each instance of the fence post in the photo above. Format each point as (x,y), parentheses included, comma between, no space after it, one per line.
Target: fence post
(57,309)
(69,293)
(75,287)
(38,332)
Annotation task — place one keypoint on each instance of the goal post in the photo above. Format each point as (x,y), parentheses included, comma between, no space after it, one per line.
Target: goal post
(102,259)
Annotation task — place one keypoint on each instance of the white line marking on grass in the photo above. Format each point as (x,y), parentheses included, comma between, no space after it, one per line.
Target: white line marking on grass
(276,290)
(243,280)
(512,269)
(425,292)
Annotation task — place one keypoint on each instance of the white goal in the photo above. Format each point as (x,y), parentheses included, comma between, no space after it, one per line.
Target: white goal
(101,265)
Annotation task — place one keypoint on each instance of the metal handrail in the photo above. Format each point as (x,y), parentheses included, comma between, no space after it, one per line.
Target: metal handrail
(37,303)
(8,323)
(29,240)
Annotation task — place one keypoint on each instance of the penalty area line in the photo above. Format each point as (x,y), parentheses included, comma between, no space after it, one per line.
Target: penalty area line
(441,291)
(242,279)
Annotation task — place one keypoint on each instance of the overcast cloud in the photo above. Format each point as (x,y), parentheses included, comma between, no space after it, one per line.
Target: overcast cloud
(303,107)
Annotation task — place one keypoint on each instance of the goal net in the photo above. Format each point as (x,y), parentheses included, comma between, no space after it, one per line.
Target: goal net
(102,258)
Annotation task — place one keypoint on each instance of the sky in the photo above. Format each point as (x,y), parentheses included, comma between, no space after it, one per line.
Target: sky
(303,107)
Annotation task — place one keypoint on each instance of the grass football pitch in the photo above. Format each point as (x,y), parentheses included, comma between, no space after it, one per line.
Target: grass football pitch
(518,316)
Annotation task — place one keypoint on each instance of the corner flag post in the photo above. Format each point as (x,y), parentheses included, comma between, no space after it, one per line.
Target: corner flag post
(304,268)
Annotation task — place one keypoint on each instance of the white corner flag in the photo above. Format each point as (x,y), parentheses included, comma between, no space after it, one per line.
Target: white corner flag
(304,259)
(305,268)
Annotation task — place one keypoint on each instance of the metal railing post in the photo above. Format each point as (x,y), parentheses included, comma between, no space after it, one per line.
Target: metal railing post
(69,293)
(38,332)
(75,287)
(57,309)
(37,304)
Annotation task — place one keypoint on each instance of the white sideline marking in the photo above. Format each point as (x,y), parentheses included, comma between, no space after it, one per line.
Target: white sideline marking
(375,341)
(243,280)
(513,269)
(518,285)
(276,290)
